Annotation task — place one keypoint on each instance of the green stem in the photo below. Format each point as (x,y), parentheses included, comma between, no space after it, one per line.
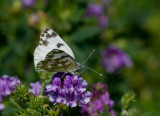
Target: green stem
(55,114)
(17,105)
(52,112)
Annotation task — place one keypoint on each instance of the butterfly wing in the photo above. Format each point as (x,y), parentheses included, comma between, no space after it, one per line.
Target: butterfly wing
(50,40)
(56,61)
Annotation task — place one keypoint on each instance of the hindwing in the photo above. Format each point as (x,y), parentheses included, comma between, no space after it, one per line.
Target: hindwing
(56,61)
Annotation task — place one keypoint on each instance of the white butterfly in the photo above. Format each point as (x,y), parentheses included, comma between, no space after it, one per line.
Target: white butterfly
(53,54)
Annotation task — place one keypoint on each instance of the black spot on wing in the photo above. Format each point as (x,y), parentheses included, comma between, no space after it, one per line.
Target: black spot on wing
(53,34)
(45,43)
(47,29)
(59,45)
(47,33)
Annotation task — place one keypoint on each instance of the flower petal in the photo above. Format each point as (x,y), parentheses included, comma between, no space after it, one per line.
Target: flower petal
(1,106)
(75,79)
(57,82)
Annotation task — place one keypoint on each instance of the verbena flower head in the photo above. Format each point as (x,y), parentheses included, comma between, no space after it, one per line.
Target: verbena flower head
(98,12)
(113,59)
(94,9)
(68,89)
(100,98)
(4,87)
(7,84)
(14,81)
(35,88)
(28,3)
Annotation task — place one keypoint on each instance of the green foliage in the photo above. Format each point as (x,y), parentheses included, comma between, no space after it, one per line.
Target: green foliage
(150,114)
(45,77)
(130,112)
(34,103)
(21,93)
(127,99)
(29,112)
(79,36)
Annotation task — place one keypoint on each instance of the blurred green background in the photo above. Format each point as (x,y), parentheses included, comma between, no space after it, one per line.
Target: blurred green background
(133,25)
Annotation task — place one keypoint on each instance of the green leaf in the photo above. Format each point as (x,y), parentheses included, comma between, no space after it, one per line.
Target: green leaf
(151,113)
(8,110)
(85,33)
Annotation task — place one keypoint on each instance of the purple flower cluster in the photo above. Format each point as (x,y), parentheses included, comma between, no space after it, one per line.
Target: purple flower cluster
(98,12)
(99,99)
(35,88)
(68,89)
(113,59)
(7,84)
(28,3)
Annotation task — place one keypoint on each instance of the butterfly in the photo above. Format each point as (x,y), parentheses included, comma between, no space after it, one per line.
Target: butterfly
(53,54)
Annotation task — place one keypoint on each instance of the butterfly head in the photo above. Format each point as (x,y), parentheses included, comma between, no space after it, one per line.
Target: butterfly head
(78,66)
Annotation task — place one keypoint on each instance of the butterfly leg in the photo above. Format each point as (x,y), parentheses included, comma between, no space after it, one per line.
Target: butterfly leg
(63,74)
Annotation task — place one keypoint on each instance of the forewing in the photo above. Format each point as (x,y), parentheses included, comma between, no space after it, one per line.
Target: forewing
(50,40)
(56,61)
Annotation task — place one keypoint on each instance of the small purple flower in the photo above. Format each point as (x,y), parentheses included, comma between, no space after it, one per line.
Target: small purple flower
(62,97)
(36,88)
(97,106)
(4,87)
(7,84)
(68,89)
(94,10)
(113,59)
(98,12)
(112,112)
(71,99)
(100,98)
(28,3)
(1,106)
(14,82)
(85,98)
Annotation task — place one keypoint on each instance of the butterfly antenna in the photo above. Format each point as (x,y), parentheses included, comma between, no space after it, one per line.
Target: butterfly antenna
(93,70)
(89,56)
